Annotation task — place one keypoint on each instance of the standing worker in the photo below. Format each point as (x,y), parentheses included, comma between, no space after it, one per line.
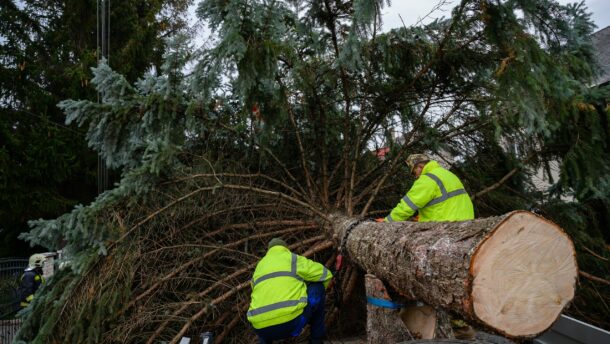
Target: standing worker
(288,292)
(437,195)
(31,279)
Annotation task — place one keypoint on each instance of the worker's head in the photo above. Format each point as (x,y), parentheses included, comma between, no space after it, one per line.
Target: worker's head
(36,261)
(276,242)
(416,163)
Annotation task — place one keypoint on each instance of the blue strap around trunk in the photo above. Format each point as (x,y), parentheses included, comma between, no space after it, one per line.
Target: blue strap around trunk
(384,303)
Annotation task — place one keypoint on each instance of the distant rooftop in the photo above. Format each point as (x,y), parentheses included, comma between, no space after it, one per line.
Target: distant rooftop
(601,42)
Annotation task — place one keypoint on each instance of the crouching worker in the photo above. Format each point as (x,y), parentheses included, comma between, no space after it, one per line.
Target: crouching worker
(288,292)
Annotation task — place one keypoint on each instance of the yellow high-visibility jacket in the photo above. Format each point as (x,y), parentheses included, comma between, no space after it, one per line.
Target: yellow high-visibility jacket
(279,292)
(438,195)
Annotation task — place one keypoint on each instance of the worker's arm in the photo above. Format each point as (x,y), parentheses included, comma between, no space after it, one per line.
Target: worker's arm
(423,191)
(312,271)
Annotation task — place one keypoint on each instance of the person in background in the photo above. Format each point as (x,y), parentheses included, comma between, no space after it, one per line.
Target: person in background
(31,279)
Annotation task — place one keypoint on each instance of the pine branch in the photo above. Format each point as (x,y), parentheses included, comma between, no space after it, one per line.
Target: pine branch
(594,278)
(272,155)
(407,144)
(240,175)
(203,257)
(306,174)
(594,254)
(503,179)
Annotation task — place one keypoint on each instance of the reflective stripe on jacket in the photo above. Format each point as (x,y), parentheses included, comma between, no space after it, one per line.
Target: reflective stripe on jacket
(279,292)
(438,195)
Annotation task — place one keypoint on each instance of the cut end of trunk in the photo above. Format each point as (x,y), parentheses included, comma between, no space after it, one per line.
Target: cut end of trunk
(524,274)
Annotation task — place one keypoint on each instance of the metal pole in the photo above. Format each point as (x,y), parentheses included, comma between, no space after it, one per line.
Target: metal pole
(103,39)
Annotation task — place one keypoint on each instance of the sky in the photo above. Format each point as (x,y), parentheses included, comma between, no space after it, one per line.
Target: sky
(412,11)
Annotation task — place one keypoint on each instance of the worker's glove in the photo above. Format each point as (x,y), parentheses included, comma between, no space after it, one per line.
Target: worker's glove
(380,219)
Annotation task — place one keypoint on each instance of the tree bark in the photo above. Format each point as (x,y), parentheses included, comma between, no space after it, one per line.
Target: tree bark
(412,321)
(513,273)
(383,325)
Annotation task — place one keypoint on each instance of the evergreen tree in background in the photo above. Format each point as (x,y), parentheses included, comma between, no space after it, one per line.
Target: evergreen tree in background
(46,51)
(278,122)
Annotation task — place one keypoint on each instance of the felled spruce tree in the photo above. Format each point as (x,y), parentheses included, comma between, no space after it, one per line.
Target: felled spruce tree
(272,127)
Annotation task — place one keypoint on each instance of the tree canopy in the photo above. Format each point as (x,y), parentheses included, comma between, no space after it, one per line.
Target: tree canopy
(46,52)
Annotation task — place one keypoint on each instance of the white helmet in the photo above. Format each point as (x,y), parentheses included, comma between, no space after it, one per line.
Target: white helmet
(36,260)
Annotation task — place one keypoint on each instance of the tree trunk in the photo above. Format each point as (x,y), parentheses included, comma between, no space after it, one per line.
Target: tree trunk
(411,321)
(425,322)
(513,273)
(383,325)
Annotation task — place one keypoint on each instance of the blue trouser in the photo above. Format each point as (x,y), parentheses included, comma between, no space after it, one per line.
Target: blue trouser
(313,314)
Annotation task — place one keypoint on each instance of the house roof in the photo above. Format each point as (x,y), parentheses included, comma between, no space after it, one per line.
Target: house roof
(601,43)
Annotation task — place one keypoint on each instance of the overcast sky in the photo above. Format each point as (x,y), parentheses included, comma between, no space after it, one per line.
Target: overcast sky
(413,10)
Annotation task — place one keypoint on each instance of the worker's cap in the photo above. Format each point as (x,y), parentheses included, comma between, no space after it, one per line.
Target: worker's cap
(415,159)
(36,260)
(276,242)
